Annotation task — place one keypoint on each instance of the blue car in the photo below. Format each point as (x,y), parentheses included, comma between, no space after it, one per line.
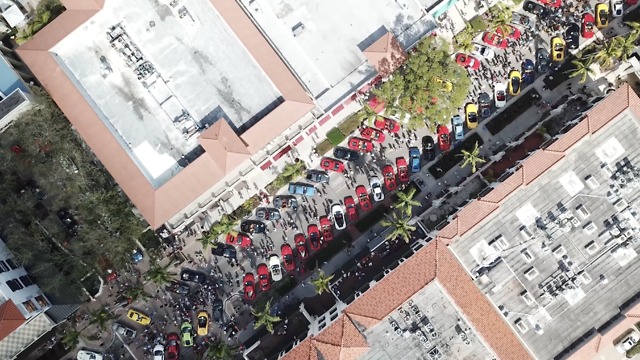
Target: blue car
(301,189)
(137,256)
(414,159)
(528,71)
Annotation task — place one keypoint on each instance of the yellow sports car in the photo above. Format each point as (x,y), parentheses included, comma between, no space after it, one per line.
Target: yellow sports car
(471,115)
(602,15)
(515,82)
(557,49)
(446,85)
(203,323)
(138,317)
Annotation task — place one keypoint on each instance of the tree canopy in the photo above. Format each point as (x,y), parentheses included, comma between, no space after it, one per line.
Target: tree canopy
(418,89)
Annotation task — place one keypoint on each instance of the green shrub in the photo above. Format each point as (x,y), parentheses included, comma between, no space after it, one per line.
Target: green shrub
(517,2)
(335,136)
(478,24)
(323,147)
(350,124)
(635,350)
(289,173)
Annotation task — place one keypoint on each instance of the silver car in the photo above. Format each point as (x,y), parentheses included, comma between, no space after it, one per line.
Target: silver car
(376,188)
(458,127)
(123,331)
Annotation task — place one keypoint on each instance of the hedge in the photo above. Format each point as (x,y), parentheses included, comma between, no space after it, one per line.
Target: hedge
(323,147)
(350,124)
(478,24)
(335,136)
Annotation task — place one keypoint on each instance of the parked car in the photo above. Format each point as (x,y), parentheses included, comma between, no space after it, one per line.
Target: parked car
(263,277)
(528,71)
(376,186)
(136,256)
(467,61)
(287,257)
(572,36)
(85,354)
(458,127)
(285,202)
(275,268)
(444,141)
(343,153)
(471,115)
(350,205)
(588,21)
(326,232)
(172,348)
(483,52)
(253,226)
(271,214)
(158,352)
(216,310)
(138,317)
(403,169)
(515,82)
(602,15)
(178,287)
(386,124)
(389,177)
(542,60)
(484,100)
(557,49)
(337,213)
(499,94)
(363,198)
(513,32)
(617,7)
(330,164)
(372,134)
(249,282)
(193,276)
(360,145)
(241,239)
(428,148)
(124,331)
(493,39)
(314,237)
(414,159)
(302,189)
(202,323)
(628,342)
(301,245)
(552,3)
(186,332)
(224,250)
(521,19)
(534,8)
(317,176)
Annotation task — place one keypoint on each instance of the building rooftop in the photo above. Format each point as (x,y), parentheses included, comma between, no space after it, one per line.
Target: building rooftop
(324,42)
(10,319)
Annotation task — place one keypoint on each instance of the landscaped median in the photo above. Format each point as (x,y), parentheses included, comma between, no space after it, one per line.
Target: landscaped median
(337,135)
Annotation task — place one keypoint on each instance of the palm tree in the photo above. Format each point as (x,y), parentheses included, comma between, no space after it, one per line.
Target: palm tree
(626,45)
(582,68)
(366,114)
(293,170)
(635,29)
(101,317)
(265,318)
(70,338)
(607,54)
(405,202)
(160,275)
(41,19)
(207,241)
(226,225)
(220,350)
(399,225)
(136,293)
(472,157)
(501,18)
(322,282)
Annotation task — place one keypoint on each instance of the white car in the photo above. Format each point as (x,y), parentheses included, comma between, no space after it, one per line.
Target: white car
(376,188)
(628,342)
(123,331)
(338,217)
(483,52)
(500,94)
(158,352)
(89,355)
(275,268)
(617,8)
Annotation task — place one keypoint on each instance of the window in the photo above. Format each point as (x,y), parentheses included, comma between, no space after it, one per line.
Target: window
(42,301)
(29,306)
(14,285)
(26,280)
(11,264)
(3,267)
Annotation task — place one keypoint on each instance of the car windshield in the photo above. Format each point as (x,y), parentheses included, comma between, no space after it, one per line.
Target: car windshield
(202,321)
(501,95)
(339,217)
(515,82)
(275,269)
(263,276)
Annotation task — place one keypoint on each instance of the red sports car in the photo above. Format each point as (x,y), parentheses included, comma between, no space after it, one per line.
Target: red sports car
(370,133)
(587,26)
(514,33)
(240,240)
(325,229)
(301,245)
(172,349)
(350,204)
(360,145)
(376,104)
(403,170)
(444,139)
(494,39)
(467,61)
(552,3)
(314,237)
(287,257)
(387,124)
(330,164)
(249,282)
(363,198)
(389,177)
(263,277)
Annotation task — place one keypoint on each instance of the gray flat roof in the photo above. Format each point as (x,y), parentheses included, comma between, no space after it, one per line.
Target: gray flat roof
(451,335)
(202,73)
(587,221)
(323,41)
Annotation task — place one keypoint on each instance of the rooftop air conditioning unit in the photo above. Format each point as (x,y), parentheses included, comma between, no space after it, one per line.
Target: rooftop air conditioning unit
(590,227)
(521,326)
(592,183)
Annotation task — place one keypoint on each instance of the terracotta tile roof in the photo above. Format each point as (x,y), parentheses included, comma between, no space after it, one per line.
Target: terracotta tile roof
(363,321)
(10,319)
(303,351)
(474,213)
(569,139)
(223,149)
(538,163)
(608,109)
(386,54)
(506,188)
(450,231)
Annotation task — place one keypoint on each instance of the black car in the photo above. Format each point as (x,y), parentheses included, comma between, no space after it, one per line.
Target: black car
(217,311)
(69,221)
(231,329)
(224,250)
(343,153)
(484,100)
(193,276)
(178,287)
(542,60)
(253,226)
(428,148)
(264,213)
(536,9)
(318,176)
(285,202)
(572,36)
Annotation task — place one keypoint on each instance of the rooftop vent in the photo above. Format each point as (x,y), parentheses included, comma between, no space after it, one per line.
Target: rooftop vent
(531,273)
(521,326)
(592,183)
(559,252)
(583,213)
(620,204)
(526,254)
(590,227)
(527,297)
(592,247)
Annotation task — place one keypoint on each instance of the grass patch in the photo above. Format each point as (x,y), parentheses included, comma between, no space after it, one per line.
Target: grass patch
(335,136)
(478,24)
(323,147)
(513,111)
(350,124)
